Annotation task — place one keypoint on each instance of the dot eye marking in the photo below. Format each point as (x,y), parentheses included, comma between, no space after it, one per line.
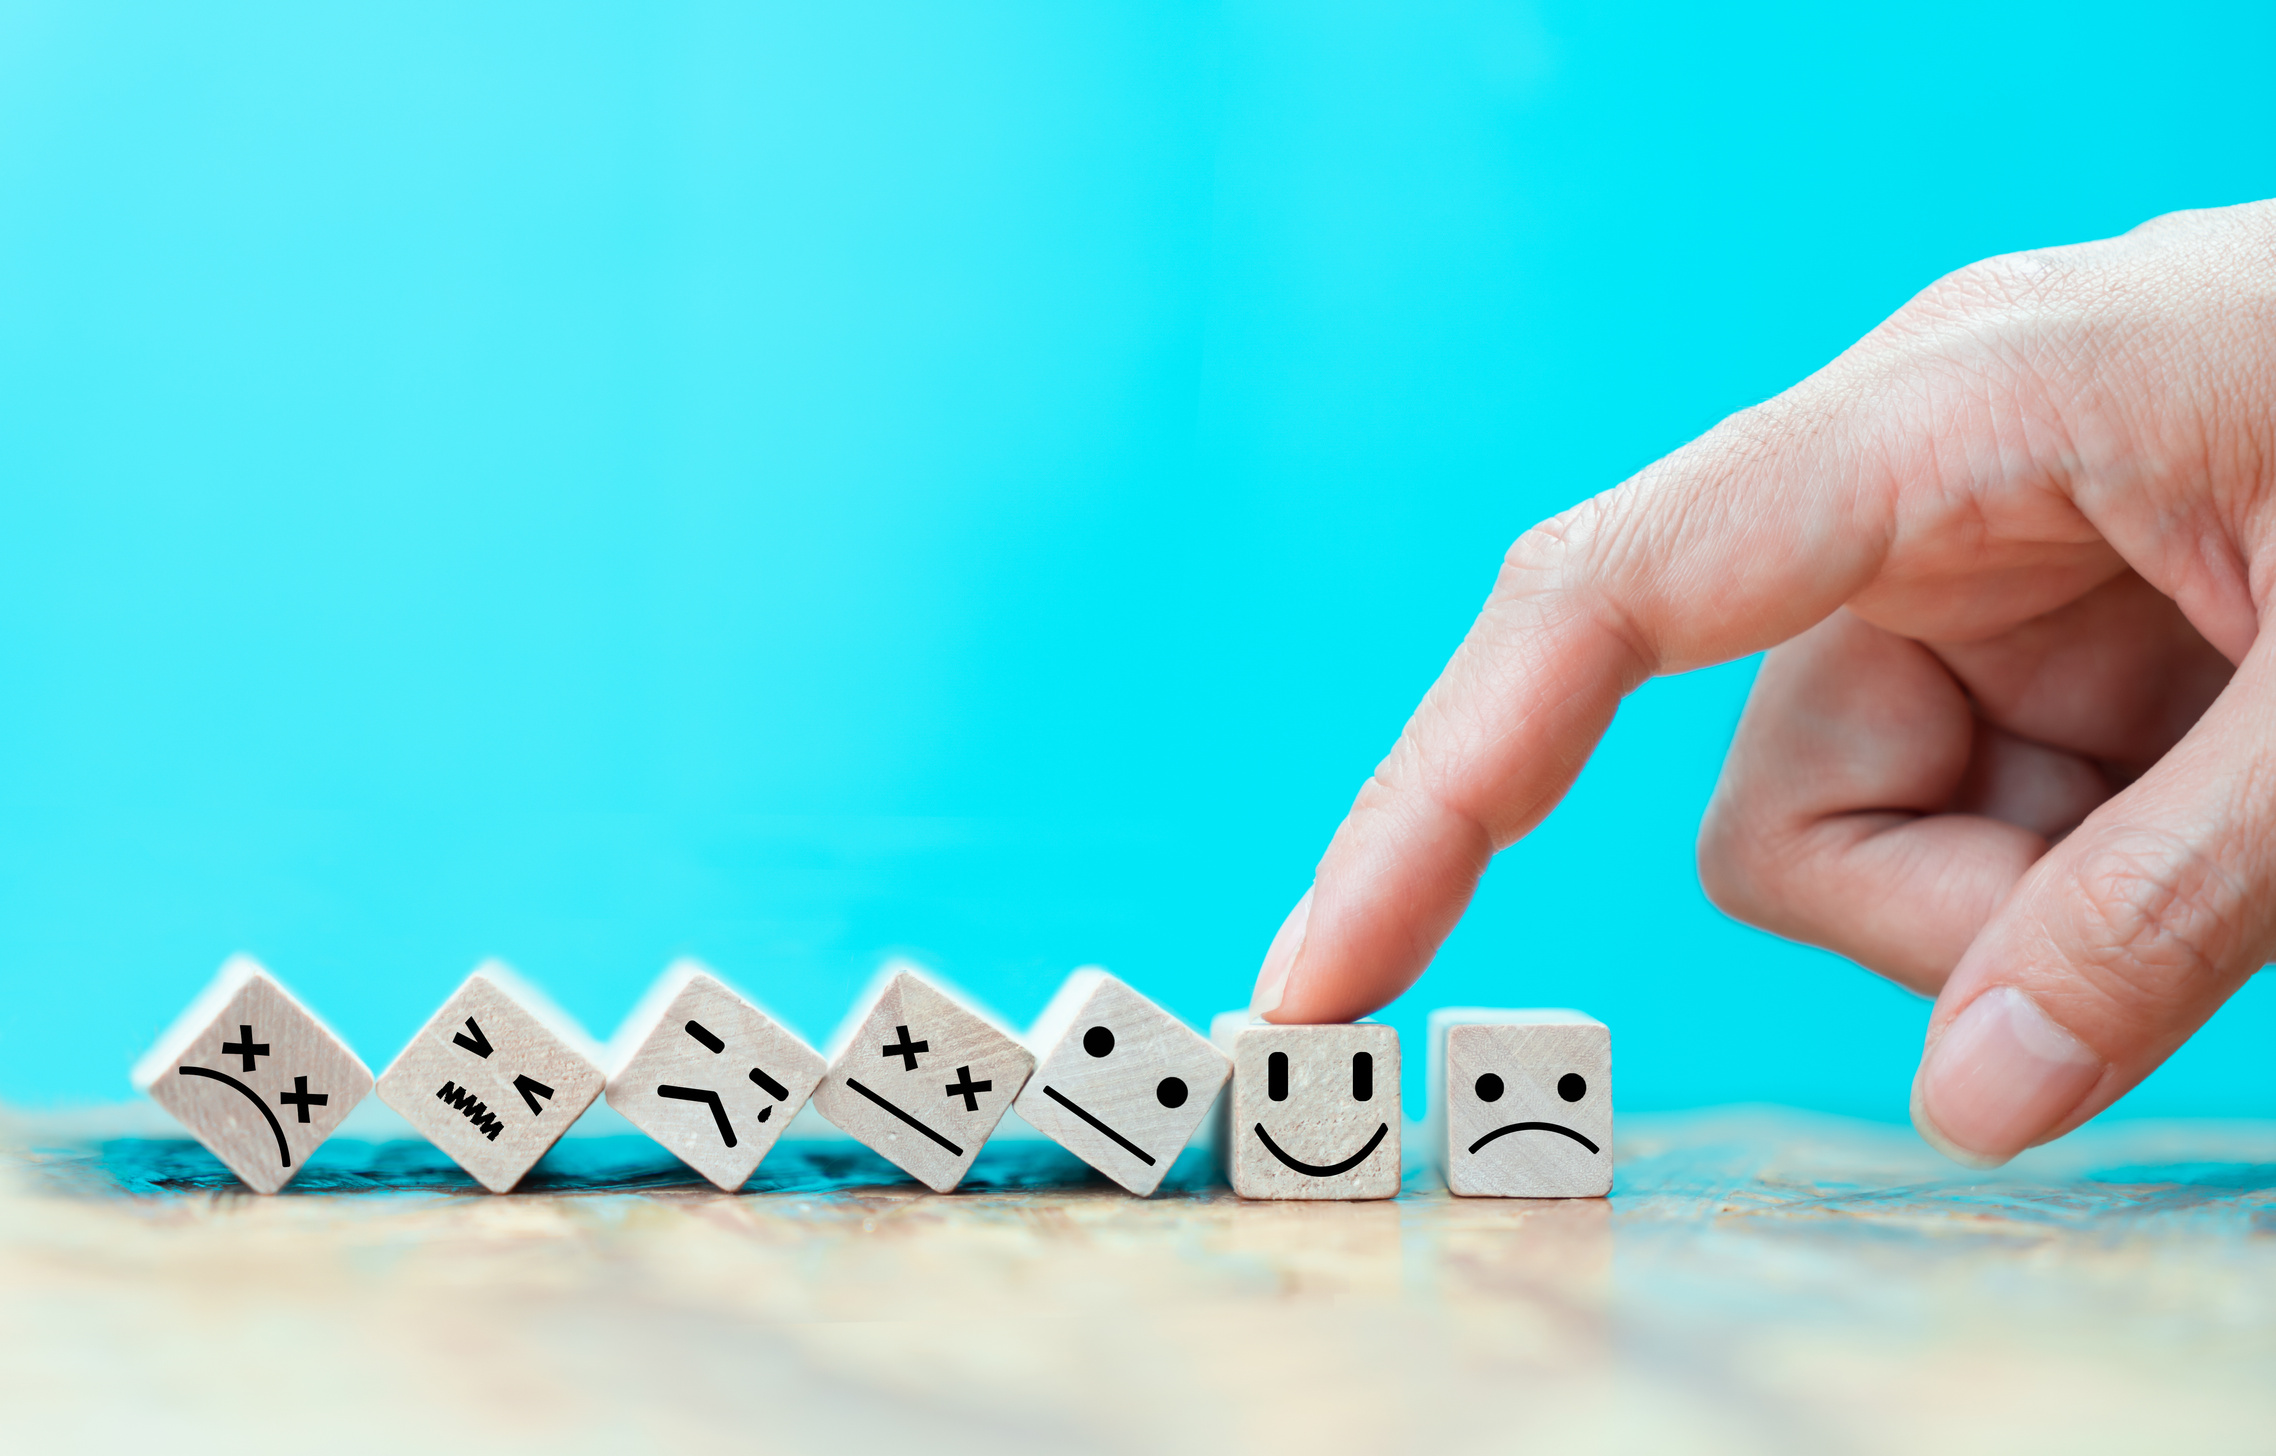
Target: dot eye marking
(1098,1041)
(1489,1087)
(1171,1092)
(1572,1086)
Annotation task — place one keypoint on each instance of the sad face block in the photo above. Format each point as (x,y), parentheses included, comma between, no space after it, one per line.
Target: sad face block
(922,1080)
(1524,1103)
(1119,1082)
(703,1071)
(1315,1109)
(495,1078)
(253,1075)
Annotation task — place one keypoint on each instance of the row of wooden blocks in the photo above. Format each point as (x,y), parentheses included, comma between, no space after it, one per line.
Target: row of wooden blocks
(1522,1100)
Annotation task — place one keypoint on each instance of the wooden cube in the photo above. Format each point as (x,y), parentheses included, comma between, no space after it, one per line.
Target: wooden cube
(253,1075)
(1119,1082)
(1314,1109)
(495,1077)
(702,1070)
(922,1078)
(1522,1103)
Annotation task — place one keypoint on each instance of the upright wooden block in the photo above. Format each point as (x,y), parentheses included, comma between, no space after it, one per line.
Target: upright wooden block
(1119,1082)
(922,1079)
(1522,1102)
(1315,1109)
(495,1077)
(253,1075)
(702,1070)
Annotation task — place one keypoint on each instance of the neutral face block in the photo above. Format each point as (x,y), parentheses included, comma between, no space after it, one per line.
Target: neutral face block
(1315,1110)
(1119,1082)
(254,1076)
(490,1082)
(1527,1103)
(712,1077)
(923,1081)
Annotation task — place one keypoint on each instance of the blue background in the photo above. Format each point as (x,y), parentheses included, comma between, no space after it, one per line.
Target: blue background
(790,483)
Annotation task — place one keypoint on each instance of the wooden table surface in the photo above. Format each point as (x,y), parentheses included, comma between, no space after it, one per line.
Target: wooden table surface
(1759,1281)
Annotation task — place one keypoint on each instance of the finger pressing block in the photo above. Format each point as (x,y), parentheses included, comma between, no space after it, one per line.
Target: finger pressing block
(253,1075)
(1523,1102)
(495,1077)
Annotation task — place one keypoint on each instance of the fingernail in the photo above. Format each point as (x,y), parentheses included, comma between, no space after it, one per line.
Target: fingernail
(1272,981)
(2002,1074)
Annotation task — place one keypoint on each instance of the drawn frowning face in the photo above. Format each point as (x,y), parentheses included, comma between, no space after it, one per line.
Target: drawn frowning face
(1528,1106)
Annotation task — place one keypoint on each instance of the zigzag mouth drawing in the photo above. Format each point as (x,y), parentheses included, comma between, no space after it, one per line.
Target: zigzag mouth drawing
(1329,1170)
(485,1121)
(284,1153)
(1533,1127)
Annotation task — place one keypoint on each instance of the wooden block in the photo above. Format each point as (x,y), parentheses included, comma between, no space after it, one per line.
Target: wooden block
(1314,1111)
(253,1075)
(1119,1082)
(495,1077)
(702,1070)
(1522,1103)
(922,1079)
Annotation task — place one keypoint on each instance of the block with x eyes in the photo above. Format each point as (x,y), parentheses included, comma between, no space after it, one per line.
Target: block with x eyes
(1314,1110)
(1522,1103)
(253,1075)
(922,1079)
(705,1072)
(495,1077)
(1119,1082)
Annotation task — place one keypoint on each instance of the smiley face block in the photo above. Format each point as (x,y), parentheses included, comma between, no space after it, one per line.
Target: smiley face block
(1524,1103)
(709,1075)
(253,1075)
(1119,1082)
(495,1078)
(922,1080)
(1315,1109)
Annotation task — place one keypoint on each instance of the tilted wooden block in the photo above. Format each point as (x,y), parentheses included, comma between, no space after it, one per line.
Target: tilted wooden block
(705,1072)
(1119,1082)
(1522,1102)
(495,1077)
(922,1079)
(253,1075)
(1314,1109)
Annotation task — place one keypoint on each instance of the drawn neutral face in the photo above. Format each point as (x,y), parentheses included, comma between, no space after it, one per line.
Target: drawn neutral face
(1527,1105)
(1315,1111)
(1120,1082)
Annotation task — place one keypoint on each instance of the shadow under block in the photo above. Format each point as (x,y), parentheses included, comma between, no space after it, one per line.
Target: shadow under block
(1522,1103)
(923,1081)
(253,1075)
(1119,1082)
(1314,1109)
(705,1072)
(494,1078)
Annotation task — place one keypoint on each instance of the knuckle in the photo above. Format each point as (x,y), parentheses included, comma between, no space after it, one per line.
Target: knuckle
(2154,918)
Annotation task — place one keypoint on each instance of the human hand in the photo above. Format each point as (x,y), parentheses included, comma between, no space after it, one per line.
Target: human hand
(2014,744)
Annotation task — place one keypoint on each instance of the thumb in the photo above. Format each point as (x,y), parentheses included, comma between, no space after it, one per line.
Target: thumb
(2117,945)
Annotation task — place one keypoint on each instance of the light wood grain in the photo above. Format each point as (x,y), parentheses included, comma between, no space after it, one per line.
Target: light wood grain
(254,1076)
(494,1078)
(1321,1139)
(694,1034)
(1521,1103)
(930,1108)
(1119,1082)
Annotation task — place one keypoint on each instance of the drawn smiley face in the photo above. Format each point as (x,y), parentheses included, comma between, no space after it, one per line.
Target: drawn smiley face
(1314,1111)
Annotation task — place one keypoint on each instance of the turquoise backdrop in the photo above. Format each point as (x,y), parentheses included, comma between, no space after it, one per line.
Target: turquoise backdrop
(791,483)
